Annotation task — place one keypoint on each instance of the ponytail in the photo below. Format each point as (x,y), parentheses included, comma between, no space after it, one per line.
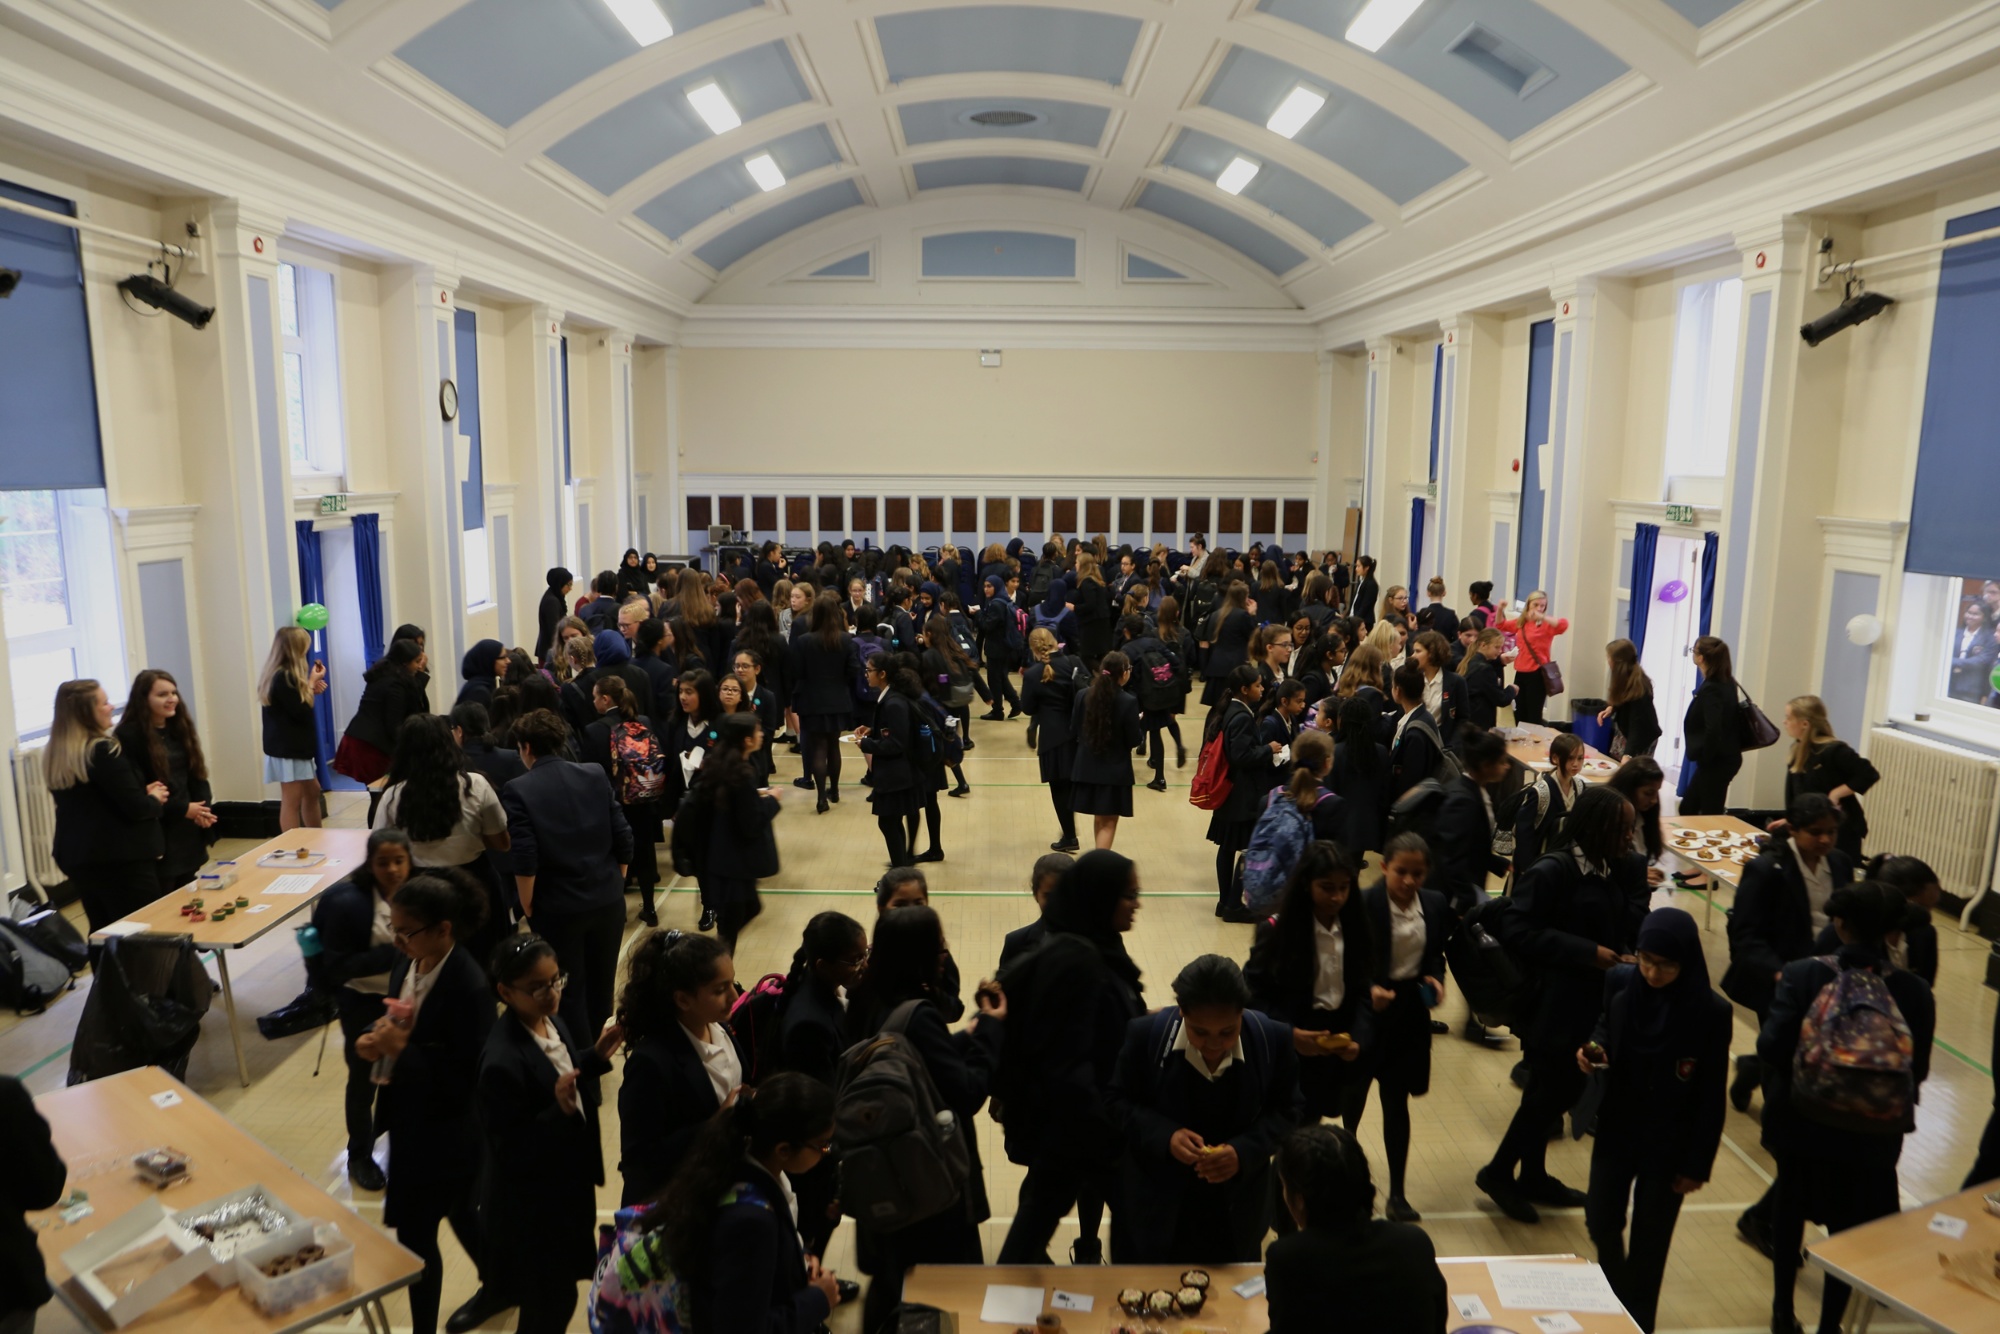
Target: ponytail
(1100,705)
(826,936)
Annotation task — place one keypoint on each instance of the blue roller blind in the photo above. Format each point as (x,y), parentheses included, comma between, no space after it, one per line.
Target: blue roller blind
(465,325)
(48,395)
(1951,514)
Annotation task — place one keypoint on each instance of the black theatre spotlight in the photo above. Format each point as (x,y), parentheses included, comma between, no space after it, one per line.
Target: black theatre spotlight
(1854,309)
(9,280)
(145,287)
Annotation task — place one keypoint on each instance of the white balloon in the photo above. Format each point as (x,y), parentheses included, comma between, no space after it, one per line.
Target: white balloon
(1864,629)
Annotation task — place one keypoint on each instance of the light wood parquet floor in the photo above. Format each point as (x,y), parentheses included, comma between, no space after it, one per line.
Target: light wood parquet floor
(1714,1281)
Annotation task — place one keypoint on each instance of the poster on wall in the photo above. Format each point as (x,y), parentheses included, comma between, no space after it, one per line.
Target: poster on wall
(1974,647)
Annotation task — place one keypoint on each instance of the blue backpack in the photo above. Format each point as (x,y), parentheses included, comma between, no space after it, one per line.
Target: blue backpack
(1277,842)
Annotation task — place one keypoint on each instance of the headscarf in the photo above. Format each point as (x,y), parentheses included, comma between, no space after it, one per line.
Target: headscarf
(1085,903)
(611,648)
(481,661)
(995,586)
(1657,1013)
(559,578)
(934,588)
(1015,547)
(1058,597)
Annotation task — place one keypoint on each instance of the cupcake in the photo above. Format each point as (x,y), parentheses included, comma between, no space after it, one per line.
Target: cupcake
(1188,1300)
(1195,1278)
(1160,1303)
(1132,1301)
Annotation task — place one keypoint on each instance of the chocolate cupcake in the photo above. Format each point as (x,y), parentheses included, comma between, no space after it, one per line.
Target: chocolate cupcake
(1188,1301)
(1195,1278)
(1132,1301)
(1160,1304)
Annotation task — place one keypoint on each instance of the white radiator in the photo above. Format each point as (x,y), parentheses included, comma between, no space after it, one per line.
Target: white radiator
(37,810)
(1937,802)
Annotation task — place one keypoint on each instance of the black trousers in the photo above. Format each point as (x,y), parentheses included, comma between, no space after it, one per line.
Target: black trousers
(417,1220)
(945,1240)
(1000,683)
(1533,696)
(1554,1084)
(1708,790)
(586,945)
(1055,1182)
(546,1306)
(1622,1166)
(111,890)
(1156,723)
(1059,795)
(1836,1193)
(358,1013)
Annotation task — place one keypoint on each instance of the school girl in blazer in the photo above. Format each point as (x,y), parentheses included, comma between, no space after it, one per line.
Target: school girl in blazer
(1485,694)
(1311,966)
(1664,1042)
(357,954)
(811,1035)
(1713,731)
(890,740)
(823,672)
(1360,775)
(1821,762)
(1466,822)
(1207,1073)
(1049,689)
(432,1067)
(1105,722)
(998,633)
(108,839)
(538,1203)
(1230,648)
(1252,772)
(678,992)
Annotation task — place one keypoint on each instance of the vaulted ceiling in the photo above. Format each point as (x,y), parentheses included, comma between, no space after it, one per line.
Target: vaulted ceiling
(1473,114)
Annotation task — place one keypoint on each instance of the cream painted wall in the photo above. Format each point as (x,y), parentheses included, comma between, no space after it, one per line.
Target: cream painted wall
(1648,374)
(1042,413)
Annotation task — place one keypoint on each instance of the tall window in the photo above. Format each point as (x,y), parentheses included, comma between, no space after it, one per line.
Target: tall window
(312,376)
(59,599)
(1704,380)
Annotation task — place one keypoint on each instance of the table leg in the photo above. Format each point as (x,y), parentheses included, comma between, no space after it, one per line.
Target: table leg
(376,1318)
(229,1009)
(1860,1312)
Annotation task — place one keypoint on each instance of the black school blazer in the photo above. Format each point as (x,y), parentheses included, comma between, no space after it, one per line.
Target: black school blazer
(1675,1098)
(1112,768)
(108,817)
(1771,924)
(663,1102)
(1438,927)
(812,1030)
(539,1202)
(891,740)
(427,1107)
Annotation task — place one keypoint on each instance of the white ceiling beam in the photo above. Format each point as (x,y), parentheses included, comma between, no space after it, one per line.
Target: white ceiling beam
(365,31)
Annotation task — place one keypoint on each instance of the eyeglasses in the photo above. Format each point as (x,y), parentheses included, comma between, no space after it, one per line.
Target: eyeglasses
(405,935)
(821,1146)
(858,961)
(543,990)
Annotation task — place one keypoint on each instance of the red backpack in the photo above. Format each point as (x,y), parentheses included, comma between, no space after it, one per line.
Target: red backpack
(1212,783)
(638,764)
(754,1021)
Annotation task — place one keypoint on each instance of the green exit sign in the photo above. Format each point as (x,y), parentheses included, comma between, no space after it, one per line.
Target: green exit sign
(333,504)
(1675,513)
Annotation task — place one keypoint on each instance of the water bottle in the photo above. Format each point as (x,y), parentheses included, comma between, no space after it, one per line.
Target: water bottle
(947,1125)
(308,937)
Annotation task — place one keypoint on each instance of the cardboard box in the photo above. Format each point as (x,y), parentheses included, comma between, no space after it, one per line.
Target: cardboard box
(135,1262)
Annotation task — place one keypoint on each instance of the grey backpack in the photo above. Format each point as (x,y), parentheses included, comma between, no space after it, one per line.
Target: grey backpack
(30,977)
(903,1156)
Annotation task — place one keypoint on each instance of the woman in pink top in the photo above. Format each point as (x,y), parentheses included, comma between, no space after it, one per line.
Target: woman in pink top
(1535,634)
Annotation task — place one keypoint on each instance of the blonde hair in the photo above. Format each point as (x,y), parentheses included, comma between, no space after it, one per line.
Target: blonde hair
(1086,567)
(1041,642)
(1529,601)
(1383,640)
(1309,750)
(73,734)
(1364,668)
(1810,709)
(288,655)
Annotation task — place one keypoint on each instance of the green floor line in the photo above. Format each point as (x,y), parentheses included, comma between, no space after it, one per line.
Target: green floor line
(46,1061)
(1947,1047)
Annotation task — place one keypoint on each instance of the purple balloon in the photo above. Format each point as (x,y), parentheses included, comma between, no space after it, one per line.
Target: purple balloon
(1674,591)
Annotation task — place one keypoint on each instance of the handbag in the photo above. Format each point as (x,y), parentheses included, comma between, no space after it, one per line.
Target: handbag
(1758,730)
(1552,673)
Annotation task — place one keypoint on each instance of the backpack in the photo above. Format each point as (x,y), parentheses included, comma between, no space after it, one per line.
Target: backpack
(962,634)
(1416,811)
(903,1155)
(1854,1068)
(635,1289)
(958,690)
(1157,682)
(50,932)
(1201,601)
(938,743)
(1018,626)
(638,763)
(1277,841)
(689,838)
(754,1020)
(1498,991)
(1052,624)
(1509,811)
(1212,783)
(30,978)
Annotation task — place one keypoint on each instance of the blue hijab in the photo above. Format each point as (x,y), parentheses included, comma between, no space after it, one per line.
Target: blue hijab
(611,648)
(1660,1016)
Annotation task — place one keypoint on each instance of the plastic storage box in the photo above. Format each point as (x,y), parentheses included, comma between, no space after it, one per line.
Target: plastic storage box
(275,1296)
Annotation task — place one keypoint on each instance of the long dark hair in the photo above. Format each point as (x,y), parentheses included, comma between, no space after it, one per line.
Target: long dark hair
(785,1108)
(1085,903)
(829,623)
(663,963)
(1597,825)
(1100,702)
(1633,775)
(1358,721)
(904,965)
(759,633)
(708,704)
(444,894)
(431,769)
(1294,936)
(137,736)
(1715,663)
(938,636)
(828,935)
(402,654)
(727,767)
(1168,620)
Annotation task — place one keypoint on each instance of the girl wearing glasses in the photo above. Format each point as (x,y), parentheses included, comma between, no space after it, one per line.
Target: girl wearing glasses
(539,1207)
(681,1061)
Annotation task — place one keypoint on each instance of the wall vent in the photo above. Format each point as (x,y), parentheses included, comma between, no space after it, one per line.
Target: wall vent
(1507,64)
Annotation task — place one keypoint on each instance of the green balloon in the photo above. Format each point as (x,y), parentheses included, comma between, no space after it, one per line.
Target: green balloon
(312,616)
(1994,676)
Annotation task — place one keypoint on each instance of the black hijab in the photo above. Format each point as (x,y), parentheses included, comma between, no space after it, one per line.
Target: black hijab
(1660,1016)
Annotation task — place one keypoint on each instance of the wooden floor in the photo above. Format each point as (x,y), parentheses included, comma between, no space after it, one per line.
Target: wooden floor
(1714,1281)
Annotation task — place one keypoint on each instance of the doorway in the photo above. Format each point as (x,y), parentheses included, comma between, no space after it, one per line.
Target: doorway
(1671,630)
(346,656)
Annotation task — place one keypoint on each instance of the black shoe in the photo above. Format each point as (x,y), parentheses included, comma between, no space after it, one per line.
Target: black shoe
(1157,785)
(969,745)
(1502,1192)
(1742,1087)
(1398,1210)
(1518,1076)
(650,916)
(833,795)
(1012,715)
(847,1290)
(803,780)
(819,807)
(1031,736)
(1755,1229)
(1064,845)
(1180,756)
(364,1173)
(1474,1030)
(1086,1251)
(1784,1326)
(1237,914)
(1440,1026)
(1552,1193)
(992,717)
(934,855)
(707,920)
(1140,752)
(962,790)
(868,780)
(478,1309)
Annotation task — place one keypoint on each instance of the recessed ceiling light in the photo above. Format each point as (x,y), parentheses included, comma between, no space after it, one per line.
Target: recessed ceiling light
(1376,24)
(642,18)
(1236,175)
(1300,105)
(764,171)
(712,105)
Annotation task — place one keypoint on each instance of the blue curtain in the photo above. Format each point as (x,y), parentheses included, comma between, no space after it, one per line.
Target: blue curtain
(1645,541)
(48,437)
(312,588)
(1416,547)
(368,575)
(1710,545)
(1951,522)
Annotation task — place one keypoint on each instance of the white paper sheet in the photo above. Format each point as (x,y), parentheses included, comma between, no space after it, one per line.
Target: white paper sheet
(121,929)
(1948,1225)
(1250,1287)
(1562,1322)
(1526,1285)
(292,884)
(1009,1305)
(1071,1301)
(1470,1306)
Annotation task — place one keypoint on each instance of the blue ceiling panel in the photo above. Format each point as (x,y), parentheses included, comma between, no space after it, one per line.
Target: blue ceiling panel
(861,265)
(645,131)
(1351,132)
(327,4)
(504,58)
(1027,39)
(1220,224)
(766,227)
(1286,193)
(1702,12)
(999,254)
(706,193)
(1139,267)
(1558,66)
(1001,171)
(1059,122)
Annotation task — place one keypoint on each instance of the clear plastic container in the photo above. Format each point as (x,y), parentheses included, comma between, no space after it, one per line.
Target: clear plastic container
(286,1292)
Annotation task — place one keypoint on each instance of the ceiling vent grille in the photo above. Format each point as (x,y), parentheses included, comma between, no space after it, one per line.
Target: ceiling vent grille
(1512,67)
(1002,118)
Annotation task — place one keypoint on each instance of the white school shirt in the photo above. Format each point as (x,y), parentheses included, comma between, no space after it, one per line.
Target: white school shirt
(791,1197)
(1194,1058)
(725,1071)
(379,933)
(692,757)
(1406,939)
(1819,888)
(1330,987)
(554,1048)
(1434,695)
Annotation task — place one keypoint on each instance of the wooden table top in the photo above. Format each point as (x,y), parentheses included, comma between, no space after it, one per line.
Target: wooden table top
(1532,749)
(1895,1260)
(99,1126)
(961,1289)
(1728,872)
(344,849)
